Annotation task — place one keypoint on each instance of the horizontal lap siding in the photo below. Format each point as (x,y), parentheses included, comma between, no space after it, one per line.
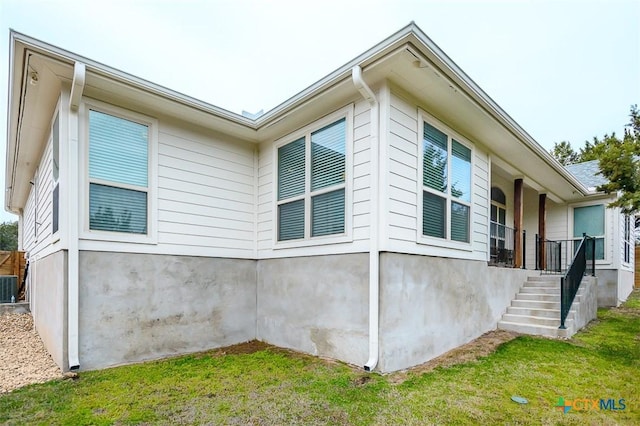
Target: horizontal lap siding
(205,192)
(266,206)
(32,243)
(556,221)
(481,203)
(403,171)
(361,200)
(402,192)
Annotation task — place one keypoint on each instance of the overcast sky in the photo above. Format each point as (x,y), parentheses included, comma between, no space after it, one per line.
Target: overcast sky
(564,70)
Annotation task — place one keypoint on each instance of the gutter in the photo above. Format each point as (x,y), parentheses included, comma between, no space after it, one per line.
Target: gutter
(374,250)
(77,87)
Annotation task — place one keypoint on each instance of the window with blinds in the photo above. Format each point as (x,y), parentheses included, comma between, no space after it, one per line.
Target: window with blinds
(446,184)
(311,184)
(589,220)
(118,174)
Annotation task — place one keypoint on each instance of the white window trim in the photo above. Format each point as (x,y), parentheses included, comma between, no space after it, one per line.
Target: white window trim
(607,238)
(152,189)
(347,114)
(423,117)
(630,243)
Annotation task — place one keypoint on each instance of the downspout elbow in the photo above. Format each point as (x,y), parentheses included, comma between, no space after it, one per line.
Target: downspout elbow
(77,87)
(363,88)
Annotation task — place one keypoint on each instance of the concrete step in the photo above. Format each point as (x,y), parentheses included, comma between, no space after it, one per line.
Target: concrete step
(538,296)
(537,330)
(544,297)
(541,290)
(535,312)
(535,304)
(545,278)
(540,284)
(15,308)
(534,320)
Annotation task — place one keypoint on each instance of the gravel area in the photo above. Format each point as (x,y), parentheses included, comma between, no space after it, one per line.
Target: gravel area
(23,358)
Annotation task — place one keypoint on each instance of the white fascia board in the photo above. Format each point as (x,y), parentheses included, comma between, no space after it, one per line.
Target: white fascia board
(10,154)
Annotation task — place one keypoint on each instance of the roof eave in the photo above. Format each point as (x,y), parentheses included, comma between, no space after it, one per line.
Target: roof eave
(476,93)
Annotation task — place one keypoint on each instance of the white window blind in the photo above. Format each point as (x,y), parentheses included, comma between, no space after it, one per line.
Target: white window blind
(312,190)
(590,220)
(446,180)
(118,174)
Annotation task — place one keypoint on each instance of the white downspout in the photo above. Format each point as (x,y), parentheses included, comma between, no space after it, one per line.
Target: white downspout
(77,87)
(374,250)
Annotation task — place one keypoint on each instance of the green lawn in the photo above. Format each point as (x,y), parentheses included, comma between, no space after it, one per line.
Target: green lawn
(273,386)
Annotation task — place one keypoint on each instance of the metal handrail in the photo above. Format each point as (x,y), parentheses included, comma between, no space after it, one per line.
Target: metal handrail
(571,280)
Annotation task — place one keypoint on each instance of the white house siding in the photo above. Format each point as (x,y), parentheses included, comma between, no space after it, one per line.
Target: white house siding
(557,221)
(481,203)
(402,171)
(360,196)
(38,212)
(361,172)
(403,161)
(205,193)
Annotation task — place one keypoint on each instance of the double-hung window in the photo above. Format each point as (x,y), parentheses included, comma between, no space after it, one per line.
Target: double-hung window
(446,186)
(311,187)
(118,174)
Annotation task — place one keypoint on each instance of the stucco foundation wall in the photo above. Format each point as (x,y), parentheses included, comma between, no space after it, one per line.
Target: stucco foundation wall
(625,285)
(318,305)
(588,304)
(136,307)
(607,287)
(430,305)
(49,303)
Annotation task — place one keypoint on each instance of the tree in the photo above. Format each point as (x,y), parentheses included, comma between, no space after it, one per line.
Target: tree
(593,151)
(564,153)
(620,165)
(9,236)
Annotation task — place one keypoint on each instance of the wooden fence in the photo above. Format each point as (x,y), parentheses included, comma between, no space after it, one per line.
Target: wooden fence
(13,263)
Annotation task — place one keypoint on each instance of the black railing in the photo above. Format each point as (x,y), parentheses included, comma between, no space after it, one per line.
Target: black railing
(502,243)
(570,281)
(555,256)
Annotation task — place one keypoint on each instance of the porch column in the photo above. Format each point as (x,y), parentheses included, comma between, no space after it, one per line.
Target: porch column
(517,222)
(542,230)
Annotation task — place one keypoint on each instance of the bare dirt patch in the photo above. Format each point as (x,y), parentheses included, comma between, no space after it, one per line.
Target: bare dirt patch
(241,348)
(482,346)
(24,360)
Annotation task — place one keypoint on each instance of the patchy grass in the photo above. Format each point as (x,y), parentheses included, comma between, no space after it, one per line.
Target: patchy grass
(263,385)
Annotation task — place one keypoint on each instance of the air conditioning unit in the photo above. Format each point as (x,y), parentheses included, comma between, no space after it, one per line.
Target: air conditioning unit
(8,288)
